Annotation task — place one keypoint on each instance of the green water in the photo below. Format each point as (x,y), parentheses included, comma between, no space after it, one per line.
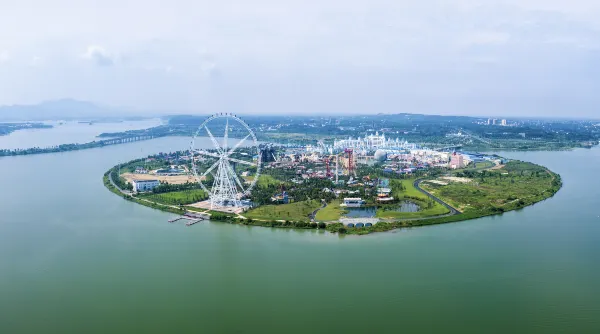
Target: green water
(75,258)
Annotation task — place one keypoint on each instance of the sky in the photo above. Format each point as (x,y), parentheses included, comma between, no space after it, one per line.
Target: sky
(467,57)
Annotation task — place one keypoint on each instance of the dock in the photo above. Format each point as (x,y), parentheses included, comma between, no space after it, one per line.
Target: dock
(192,222)
(191,217)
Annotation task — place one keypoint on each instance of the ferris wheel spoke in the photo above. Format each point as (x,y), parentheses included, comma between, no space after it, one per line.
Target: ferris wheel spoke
(212,138)
(237,179)
(244,162)
(226,135)
(230,152)
(210,169)
(208,154)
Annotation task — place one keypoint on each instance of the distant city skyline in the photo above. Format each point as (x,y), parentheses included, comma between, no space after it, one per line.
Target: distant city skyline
(510,58)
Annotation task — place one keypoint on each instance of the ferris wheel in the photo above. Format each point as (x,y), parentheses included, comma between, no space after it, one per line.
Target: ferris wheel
(216,169)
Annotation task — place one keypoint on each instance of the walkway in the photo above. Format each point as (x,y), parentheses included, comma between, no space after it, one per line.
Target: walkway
(313,215)
(453,211)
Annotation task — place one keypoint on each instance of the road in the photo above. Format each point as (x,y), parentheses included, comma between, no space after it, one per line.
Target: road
(313,215)
(131,193)
(125,192)
(453,211)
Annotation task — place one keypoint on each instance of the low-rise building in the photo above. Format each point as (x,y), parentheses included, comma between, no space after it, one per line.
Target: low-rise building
(353,202)
(141,170)
(144,185)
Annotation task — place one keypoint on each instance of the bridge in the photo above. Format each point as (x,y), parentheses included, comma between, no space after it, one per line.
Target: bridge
(124,140)
(359,222)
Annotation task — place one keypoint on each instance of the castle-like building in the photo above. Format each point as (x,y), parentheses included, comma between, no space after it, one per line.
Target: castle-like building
(372,142)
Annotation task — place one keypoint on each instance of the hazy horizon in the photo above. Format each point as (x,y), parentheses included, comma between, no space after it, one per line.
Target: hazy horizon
(509,58)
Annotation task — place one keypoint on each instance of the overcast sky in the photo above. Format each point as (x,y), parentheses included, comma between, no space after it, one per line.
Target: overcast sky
(492,57)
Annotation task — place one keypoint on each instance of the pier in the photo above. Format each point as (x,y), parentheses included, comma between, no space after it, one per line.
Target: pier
(191,217)
(192,222)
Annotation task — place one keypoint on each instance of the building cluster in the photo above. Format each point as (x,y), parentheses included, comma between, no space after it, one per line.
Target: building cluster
(496,121)
(371,142)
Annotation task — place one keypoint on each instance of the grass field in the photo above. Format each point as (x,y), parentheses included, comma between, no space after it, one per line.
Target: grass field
(267,180)
(264,181)
(292,211)
(404,189)
(496,191)
(332,211)
(481,165)
(177,197)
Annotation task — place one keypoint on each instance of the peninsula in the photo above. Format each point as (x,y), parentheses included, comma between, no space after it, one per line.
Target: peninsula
(380,193)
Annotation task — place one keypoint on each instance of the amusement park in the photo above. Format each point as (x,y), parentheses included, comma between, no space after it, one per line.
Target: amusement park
(357,184)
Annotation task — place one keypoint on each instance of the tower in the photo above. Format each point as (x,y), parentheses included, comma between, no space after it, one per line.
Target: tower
(350,154)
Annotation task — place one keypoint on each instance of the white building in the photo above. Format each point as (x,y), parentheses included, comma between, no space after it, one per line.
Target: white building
(353,202)
(144,185)
(141,170)
(372,142)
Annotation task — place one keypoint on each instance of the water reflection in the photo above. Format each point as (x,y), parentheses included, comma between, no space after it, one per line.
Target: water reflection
(371,211)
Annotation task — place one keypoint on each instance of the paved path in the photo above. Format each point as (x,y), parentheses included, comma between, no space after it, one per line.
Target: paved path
(131,193)
(126,192)
(313,215)
(453,211)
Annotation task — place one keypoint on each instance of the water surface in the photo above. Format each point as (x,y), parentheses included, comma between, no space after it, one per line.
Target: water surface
(68,133)
(75,258)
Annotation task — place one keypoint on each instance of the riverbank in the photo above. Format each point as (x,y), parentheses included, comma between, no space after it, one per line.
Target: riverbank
(470,194)
(489,192)
(265,221)
(73,147)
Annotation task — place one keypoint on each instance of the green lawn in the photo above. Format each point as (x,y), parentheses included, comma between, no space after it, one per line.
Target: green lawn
(177,197)
(292,211)
(267,180)
(404,189)
(516,185)
(476,166)
(408,189)
(332,211)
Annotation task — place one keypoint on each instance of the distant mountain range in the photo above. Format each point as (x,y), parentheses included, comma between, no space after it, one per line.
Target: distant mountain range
(63,109)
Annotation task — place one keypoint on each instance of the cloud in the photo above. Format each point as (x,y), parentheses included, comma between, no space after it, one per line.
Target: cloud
(36,61)
(353,51)
(4,56)
(99,55)
(486,38)
(207,62)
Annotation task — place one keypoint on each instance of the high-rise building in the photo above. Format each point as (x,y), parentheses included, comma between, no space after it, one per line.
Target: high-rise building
(457,161)
(503,122)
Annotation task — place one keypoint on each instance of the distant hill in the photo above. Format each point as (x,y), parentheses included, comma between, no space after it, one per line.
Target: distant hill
(60,110)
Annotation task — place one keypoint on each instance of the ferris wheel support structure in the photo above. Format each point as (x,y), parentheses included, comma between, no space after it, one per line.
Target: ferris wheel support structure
(227,189)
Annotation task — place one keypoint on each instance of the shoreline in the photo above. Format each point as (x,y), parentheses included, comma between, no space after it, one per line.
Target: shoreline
(384,225)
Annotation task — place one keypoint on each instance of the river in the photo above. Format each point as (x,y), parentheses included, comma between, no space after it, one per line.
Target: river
(71,132)
(75,258)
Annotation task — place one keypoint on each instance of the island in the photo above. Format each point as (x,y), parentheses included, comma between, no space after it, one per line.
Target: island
(8,128)
(378,193)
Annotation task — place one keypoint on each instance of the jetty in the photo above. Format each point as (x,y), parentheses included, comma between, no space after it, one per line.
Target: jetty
(191,217)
